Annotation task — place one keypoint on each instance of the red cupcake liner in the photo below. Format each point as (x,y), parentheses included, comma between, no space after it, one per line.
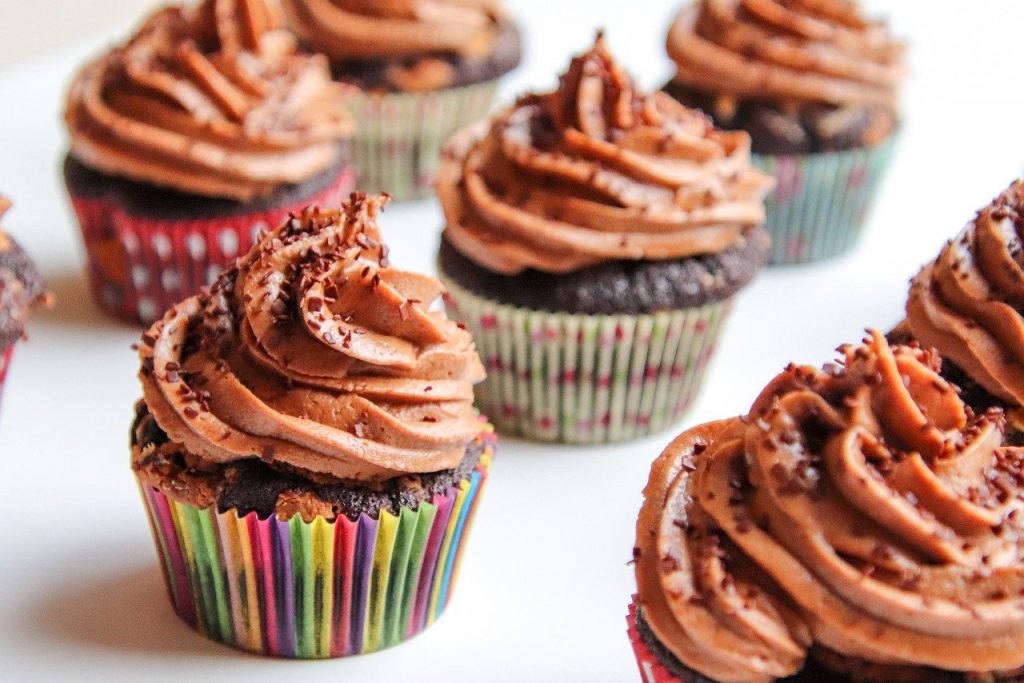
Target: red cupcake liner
(139,267)
(5,363)
(651,668)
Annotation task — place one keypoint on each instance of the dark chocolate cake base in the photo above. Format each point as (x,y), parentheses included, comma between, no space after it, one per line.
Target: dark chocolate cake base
(618,287)
(811,129)
(465,69)
(255,486)
(149,201)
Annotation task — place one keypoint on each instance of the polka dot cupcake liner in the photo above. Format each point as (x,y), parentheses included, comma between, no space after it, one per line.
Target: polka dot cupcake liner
(587,379)
(820,202)
(399,136)
(319,589)
(139,267)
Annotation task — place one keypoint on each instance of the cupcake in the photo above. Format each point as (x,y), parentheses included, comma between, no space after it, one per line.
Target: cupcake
(200,132)
(421,72)
(859,523)
(307,447)
(815,85)
(21,289)
(968,304)
(595,238)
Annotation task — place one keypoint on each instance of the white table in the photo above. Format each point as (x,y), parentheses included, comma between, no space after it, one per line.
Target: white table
(80,591)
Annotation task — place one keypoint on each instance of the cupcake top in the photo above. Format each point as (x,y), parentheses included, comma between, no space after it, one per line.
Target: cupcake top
(860,508)
(789,53)
(968,302)
(211,100)
(314,354)
(417,43)
(21,287)
(596,171)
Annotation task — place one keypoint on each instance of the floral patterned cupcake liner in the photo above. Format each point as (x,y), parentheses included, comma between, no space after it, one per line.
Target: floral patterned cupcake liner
(314,589)
(821,201)
(140,267)
(5,364)
(651,668)
(399,136)
(578,378)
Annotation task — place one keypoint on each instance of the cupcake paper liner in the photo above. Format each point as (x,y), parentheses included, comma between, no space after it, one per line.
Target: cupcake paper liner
(651,668)
(139,267)
(320,589)
(578,378)
(399,136)
(820,201)
(5,363)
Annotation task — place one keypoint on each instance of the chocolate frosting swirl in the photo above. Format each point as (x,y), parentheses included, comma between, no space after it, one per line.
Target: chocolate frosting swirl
(861,507)
(211,100)
(315,354)
(21,286)
(372,29)
(597,172)
(969,301)
(787,51)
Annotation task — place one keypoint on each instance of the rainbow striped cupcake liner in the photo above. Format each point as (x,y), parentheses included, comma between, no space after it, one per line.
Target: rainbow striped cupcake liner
(140,267)
(314,589)
(820,202)
(586,379)
(5,363)
(399,136)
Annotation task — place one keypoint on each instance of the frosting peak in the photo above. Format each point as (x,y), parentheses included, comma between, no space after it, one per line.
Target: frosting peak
(969,301)
(597,171)
(787,51)
(210,100)
(861,508)
(315,353)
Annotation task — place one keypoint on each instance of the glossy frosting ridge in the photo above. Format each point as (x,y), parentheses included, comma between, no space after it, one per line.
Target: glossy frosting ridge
(313,353)
(212,100)
(860,508)
(596,171)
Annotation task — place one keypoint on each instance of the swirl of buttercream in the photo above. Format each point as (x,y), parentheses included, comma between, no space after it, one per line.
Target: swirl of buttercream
(861,508)
(371,29)
(596,172)
(315,353)
(21,286)
(809,51)
(969,302)
(212,100)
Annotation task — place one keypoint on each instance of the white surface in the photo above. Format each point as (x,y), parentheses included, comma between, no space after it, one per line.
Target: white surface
(80,591)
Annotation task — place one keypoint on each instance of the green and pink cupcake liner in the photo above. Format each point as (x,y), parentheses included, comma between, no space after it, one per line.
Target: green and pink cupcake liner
(399,136)
(315,589)
(820,203)
(578,378)
(140,267)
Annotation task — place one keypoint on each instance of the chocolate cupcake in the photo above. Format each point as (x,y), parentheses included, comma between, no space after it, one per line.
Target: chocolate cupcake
(21,290)
(595,238)
(859,523)
(968,304)
(307,446)
(421,72)
(816,86)
(200,132)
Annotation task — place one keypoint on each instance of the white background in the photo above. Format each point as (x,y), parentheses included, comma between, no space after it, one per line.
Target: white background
(545,584)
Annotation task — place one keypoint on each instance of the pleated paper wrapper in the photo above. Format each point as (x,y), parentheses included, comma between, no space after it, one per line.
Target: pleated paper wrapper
(320,589)
(139,267)
(651,668)
(821,201)
(578,378)
(399,136)
(5,364)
